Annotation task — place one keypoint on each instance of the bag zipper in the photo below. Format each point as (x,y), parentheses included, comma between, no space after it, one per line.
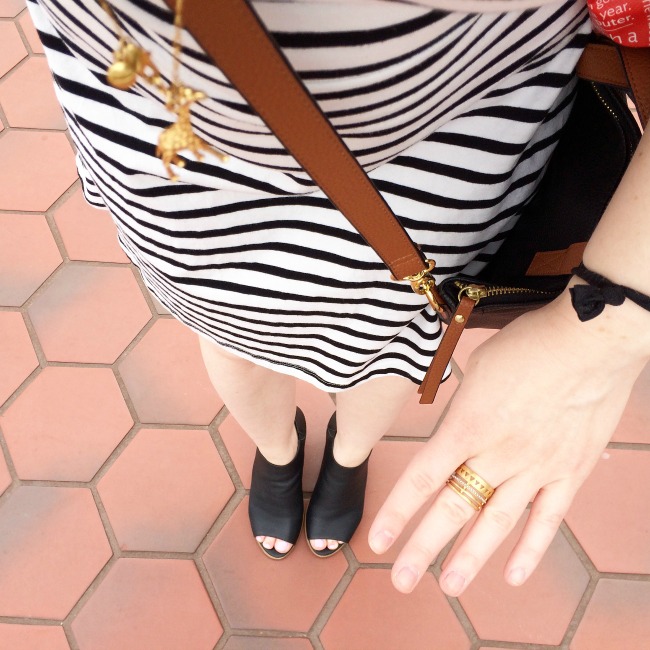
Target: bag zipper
(604,102)
(469,295)
(478,291)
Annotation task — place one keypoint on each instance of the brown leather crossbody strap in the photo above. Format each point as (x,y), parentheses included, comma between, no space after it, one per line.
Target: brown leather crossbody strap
(637,68)
(624,67)
(231,33)
(601,62)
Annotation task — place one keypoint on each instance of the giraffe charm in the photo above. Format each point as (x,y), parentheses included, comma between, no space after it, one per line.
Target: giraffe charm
(180,135)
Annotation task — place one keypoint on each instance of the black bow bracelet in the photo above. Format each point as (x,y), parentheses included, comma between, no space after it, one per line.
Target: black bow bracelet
(589,300)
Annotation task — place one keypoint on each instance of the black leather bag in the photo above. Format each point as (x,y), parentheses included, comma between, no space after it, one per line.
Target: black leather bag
(594,150)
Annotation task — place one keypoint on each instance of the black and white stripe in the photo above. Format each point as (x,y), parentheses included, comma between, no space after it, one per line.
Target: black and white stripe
(453,114)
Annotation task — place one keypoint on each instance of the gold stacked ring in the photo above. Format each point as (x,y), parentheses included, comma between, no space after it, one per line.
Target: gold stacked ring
(470,486)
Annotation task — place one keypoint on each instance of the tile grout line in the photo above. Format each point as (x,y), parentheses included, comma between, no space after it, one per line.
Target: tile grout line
(19,64)
(20,389)
(593,575)
(204,574)
(579,612)
(514,645)
(334,599)
(115,366)
(218,524)
(51,221)
(215,601)
(21,32)
(84,598)
(627,577)
(110,460)
(4,121)
(40,358)
(40,129)
(222,449)
(259,634)
(630,446)
(435,568)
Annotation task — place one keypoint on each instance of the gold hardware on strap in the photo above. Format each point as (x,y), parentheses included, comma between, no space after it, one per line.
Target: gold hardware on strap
(424,284)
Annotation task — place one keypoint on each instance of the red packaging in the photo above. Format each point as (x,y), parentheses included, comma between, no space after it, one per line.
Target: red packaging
(625,21)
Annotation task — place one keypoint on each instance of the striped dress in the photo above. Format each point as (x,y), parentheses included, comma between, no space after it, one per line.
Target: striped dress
(454,114)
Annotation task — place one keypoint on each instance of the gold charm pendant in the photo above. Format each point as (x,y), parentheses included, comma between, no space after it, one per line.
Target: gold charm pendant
(127,64)
(130,62)
(180,135)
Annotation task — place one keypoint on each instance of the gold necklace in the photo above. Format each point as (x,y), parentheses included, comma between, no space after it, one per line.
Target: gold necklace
(130,61)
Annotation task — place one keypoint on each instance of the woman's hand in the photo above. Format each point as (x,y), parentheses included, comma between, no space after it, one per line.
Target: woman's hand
(538,404)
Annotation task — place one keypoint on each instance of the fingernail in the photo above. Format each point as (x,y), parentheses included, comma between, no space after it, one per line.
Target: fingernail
(454,583)
(381,541)
(516,577)
(406,578)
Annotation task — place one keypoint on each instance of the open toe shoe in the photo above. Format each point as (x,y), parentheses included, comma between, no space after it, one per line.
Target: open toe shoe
(275,506)
(336,505)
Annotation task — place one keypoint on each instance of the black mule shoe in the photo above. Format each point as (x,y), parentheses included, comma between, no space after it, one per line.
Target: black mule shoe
(275,506)
(336,506)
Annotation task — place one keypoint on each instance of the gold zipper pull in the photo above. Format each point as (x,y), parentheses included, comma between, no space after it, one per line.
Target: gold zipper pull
(473,291)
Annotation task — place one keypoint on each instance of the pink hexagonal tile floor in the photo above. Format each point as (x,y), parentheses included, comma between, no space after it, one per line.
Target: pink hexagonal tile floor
(255,591)
(88,313)
(17,356)
(25,22)
(389,459)
(371,614)
(123,484)
(13,51)
(419,420)
(52,547)
(88,233)
(27,97)
(616,617)
(28,256)
(149,603)
(36,167)
(610,518)
(32,637)
(166,378)
(539,611)
(165,490)
(65,424)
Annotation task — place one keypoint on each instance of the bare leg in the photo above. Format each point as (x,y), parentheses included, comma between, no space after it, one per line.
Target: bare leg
(363,415)
(264,404)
